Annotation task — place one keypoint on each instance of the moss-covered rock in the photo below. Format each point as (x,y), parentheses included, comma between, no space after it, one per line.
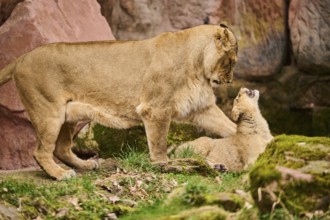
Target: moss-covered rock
(201,213)
(228,201)
(294,174)
(111,142)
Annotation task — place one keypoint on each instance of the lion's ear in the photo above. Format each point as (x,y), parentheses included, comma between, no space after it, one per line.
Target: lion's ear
(223,24)
(236,114)
(222,40)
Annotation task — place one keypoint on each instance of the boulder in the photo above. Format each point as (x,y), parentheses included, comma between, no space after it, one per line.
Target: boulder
(293,174)
(258,25)
(202,213)
(260,29)
(31,24)
(109,142)
(309,31)
(18,140)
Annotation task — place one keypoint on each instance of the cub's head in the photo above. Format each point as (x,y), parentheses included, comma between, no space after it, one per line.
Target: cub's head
(220,57)
(245,102)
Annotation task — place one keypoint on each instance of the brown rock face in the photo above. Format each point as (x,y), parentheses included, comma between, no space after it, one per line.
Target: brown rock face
(309,23)
(18,141)
(260,29)
(31,24)
(259,26)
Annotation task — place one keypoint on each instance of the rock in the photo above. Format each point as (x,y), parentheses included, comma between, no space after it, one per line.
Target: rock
(258,25)
(110,142)
(260,30)
(18,140)
(8,212)
(6,7)
(293,174)
(309,31)
(228,201)
(31,24)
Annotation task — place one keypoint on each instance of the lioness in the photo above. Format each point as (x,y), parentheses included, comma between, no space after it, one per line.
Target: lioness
(121,84)
(237,152)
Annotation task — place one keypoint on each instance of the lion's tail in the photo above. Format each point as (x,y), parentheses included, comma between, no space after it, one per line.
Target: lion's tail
(7,72)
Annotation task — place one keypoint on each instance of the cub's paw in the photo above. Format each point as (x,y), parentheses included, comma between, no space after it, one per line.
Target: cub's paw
(65,175)
(220,168)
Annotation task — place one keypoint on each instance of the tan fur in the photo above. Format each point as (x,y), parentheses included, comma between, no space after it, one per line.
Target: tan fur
(121,84)
(242,149)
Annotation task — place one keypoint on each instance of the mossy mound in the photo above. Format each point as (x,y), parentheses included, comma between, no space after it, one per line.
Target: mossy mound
(109,142)
(201,213)
(294,174)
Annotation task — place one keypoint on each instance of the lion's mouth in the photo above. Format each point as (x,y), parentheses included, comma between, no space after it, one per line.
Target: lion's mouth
(250,93)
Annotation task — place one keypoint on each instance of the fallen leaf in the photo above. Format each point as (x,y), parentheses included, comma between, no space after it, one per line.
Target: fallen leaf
(114,199)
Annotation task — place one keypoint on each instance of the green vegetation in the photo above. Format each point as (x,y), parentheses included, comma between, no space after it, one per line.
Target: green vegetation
(74,199)
(136,189)
(299,188)
(137,185)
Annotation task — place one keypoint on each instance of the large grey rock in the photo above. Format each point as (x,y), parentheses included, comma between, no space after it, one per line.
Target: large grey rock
(309,22)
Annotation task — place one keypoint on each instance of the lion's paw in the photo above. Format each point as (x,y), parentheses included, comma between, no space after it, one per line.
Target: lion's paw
(91,164)
(220,168)
(67,174)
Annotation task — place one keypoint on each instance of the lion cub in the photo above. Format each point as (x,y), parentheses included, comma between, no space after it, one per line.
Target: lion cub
(237,152)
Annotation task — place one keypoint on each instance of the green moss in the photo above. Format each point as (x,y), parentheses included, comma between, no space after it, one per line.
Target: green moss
(202,213)
(309,155)
(55,199)
(111,142)
(228,201)
(180,133)
(292,151)
(262,175)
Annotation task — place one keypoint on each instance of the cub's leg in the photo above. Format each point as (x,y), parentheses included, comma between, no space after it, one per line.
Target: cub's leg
(157,123)
(63,149)
(47,130)
(214,120)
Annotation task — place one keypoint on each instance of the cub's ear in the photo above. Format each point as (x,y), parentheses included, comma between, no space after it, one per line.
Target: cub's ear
(236,114)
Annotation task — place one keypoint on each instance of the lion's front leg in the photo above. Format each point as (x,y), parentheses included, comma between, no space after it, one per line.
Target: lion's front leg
(214,120)
(156,122)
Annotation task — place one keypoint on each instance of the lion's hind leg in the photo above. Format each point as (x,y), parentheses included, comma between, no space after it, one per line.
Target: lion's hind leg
(47,130)
(63,149)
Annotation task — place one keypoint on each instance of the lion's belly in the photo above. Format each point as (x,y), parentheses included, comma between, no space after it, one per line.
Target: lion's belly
(78,111)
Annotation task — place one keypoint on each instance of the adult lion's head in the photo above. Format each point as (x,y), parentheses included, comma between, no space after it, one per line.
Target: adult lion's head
(220,57)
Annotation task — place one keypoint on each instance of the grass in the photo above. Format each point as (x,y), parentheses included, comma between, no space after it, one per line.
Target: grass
(74,199)
(91,194)
(135,159)
(139,190)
